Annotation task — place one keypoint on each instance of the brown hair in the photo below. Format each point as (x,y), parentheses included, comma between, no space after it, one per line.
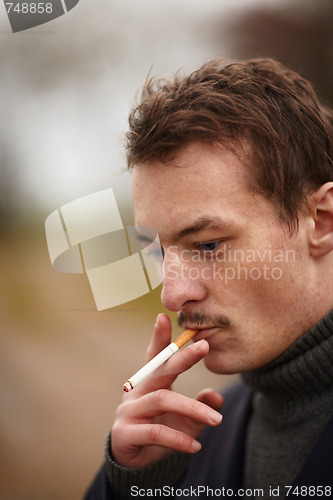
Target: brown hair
(272,107)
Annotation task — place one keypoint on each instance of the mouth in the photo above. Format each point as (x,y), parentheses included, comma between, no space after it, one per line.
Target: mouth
(206,324)
(203,332)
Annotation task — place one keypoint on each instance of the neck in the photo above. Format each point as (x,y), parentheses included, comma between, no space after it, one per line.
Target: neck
(300,374)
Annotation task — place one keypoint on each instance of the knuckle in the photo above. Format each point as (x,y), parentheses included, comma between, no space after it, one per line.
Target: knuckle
(116,428)
(122,410)
(118,433)
(194,406)
(180,440)
(160,397)
(155,433)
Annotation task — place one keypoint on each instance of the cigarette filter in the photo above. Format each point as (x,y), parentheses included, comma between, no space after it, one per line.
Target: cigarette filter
(158,360)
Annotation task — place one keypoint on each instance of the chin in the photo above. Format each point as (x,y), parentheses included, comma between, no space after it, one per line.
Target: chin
(220,363)
(225,363)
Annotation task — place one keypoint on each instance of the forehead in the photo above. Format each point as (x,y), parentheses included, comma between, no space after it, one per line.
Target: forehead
(201,181)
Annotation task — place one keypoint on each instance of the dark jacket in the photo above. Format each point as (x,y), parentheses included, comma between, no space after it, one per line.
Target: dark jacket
(220,463)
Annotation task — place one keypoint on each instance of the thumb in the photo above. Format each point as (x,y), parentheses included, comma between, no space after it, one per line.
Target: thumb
(211,398)
(214,400)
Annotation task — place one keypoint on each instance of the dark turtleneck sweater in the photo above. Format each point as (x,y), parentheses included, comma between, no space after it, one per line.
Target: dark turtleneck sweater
(293,401)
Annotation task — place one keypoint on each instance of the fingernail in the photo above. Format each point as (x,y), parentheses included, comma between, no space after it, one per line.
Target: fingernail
(215,417)
(195,346)
(196,446)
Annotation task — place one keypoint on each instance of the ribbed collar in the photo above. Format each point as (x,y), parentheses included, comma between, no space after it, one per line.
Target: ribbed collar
(303,371)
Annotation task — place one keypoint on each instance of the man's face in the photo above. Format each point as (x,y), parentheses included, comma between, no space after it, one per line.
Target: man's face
(231,267)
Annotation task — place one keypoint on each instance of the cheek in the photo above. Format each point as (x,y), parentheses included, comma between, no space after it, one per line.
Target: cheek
(268,285)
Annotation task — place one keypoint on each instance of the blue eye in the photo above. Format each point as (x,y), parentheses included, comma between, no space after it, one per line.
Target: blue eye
(209,247)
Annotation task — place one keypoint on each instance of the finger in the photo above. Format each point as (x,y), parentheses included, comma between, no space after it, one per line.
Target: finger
(211,398)
(161,435)
(166,401)
(180,362)
(186,358)
(161,336)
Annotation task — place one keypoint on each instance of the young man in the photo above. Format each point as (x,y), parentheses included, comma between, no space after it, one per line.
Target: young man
(233,168)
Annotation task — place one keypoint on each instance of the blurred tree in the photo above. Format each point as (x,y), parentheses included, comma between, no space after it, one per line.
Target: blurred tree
(298,33)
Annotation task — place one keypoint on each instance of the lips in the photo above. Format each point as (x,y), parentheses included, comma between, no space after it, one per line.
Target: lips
(203,333)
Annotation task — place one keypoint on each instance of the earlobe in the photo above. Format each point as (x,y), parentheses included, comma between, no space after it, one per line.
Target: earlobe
(321,240)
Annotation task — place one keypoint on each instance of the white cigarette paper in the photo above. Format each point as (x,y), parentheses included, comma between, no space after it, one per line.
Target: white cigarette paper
(158,360)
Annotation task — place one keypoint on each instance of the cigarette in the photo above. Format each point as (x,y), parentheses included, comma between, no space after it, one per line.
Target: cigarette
(158,360)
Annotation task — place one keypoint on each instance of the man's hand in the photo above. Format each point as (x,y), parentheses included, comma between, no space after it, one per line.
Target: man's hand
(153,420)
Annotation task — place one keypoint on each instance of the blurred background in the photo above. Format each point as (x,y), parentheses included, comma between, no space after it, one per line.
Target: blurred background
(66,90)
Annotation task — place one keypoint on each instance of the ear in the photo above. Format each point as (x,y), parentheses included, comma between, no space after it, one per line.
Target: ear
(321,240)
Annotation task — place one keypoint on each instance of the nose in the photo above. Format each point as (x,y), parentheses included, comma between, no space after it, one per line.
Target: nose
(182,284)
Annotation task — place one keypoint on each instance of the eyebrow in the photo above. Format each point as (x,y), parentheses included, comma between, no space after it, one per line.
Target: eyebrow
(202,223)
